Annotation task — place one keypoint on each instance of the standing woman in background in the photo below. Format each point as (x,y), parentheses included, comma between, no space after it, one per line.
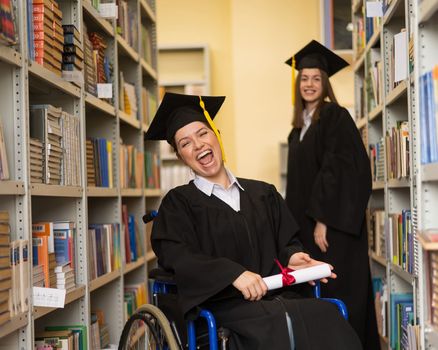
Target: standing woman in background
(329,184)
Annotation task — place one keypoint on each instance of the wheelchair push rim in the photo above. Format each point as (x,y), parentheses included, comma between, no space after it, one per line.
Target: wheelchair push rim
(148,328)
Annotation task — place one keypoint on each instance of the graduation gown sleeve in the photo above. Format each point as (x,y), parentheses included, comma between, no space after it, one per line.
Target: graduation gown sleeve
(175,243)
(342,188)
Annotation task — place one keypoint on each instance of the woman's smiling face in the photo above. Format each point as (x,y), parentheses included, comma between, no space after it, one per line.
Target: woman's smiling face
(198,147)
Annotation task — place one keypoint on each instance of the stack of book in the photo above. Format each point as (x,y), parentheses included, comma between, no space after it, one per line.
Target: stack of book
(73,56)
(53,146)
(65,277)
(36,160)
(38,275)
(59,339)
(101,62)
(131,167)
(42,246)
(5,268)
(91,174)
(52,266)
(48,34)
(71,175)
(59,134)
(90,75)
(46,127)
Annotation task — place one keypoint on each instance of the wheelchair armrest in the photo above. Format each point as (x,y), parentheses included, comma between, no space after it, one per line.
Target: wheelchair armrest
(339,303)
(162,275)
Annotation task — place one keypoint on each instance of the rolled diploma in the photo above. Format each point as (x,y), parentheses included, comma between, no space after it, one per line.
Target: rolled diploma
(302,275)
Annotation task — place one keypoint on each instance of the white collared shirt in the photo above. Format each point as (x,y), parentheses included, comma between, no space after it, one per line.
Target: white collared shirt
(307,118)
(230,195)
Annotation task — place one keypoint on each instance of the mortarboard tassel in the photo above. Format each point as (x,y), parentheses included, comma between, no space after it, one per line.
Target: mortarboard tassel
(213,126)
(293,81)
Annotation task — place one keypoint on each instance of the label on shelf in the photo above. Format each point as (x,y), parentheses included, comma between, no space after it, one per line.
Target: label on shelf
(105,90)
(108,10)
(73,76)
(374,9)
(48,297)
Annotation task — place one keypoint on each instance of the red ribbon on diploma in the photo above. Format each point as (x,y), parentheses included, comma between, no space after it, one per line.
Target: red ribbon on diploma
(287,279)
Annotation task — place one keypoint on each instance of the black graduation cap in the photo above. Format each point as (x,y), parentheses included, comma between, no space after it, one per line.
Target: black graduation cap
(178,110)
(315,55)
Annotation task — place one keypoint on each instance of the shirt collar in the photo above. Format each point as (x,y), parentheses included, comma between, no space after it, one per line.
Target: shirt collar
(207,186)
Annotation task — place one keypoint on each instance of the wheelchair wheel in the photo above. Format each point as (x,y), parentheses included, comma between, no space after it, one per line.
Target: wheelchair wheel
(148,328)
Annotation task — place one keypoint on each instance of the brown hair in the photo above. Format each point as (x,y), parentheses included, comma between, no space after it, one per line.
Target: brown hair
(327,93)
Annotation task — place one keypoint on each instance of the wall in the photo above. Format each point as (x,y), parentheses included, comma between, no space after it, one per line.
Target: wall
(194,22)
(249,42)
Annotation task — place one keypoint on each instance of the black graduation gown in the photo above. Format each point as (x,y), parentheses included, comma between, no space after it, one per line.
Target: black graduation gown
(208,245)
(329,180)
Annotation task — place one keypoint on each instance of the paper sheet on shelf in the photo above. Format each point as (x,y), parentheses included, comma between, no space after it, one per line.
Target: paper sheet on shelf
(303,275)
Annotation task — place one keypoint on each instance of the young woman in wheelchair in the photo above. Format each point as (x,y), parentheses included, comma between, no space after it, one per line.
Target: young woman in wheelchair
(220,235)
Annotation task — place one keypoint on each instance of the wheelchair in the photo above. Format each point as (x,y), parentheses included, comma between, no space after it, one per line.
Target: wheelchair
(151,328)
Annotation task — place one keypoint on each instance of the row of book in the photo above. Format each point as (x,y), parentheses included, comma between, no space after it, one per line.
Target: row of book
(53,245)
(374,80)
(429,116)
(391,237)
(146,44)
(4,167)
(127,22)
(398,151)
(46,35)
(135,295)
(152,169)
(401,240)
(134,241)
(69,337)
(149,105)
(403,329)
(131,167)
(128,97)
(13,272)
(54,146)
(99,158)
(99,331)
(376,232)
(377,159)
(104,249)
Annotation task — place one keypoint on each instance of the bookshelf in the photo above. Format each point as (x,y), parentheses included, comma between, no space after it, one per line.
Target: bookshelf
(183,69)
(126,70)
(407,30)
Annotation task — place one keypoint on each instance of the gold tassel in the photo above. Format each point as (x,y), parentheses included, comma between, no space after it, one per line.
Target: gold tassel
(213,127)
(293,81)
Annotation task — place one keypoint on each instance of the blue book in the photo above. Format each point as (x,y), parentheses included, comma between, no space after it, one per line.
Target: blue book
(424,135)
(395,299)
(431,111)
(132,238)
(30,39)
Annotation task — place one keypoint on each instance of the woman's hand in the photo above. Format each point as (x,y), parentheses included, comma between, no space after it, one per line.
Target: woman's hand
(251,285)
(302,260)
(320,235)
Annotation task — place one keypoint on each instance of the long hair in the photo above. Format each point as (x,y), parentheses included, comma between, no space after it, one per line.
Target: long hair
(327,94)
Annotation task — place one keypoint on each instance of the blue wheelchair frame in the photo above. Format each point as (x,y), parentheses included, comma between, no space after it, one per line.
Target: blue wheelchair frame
(162,287)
